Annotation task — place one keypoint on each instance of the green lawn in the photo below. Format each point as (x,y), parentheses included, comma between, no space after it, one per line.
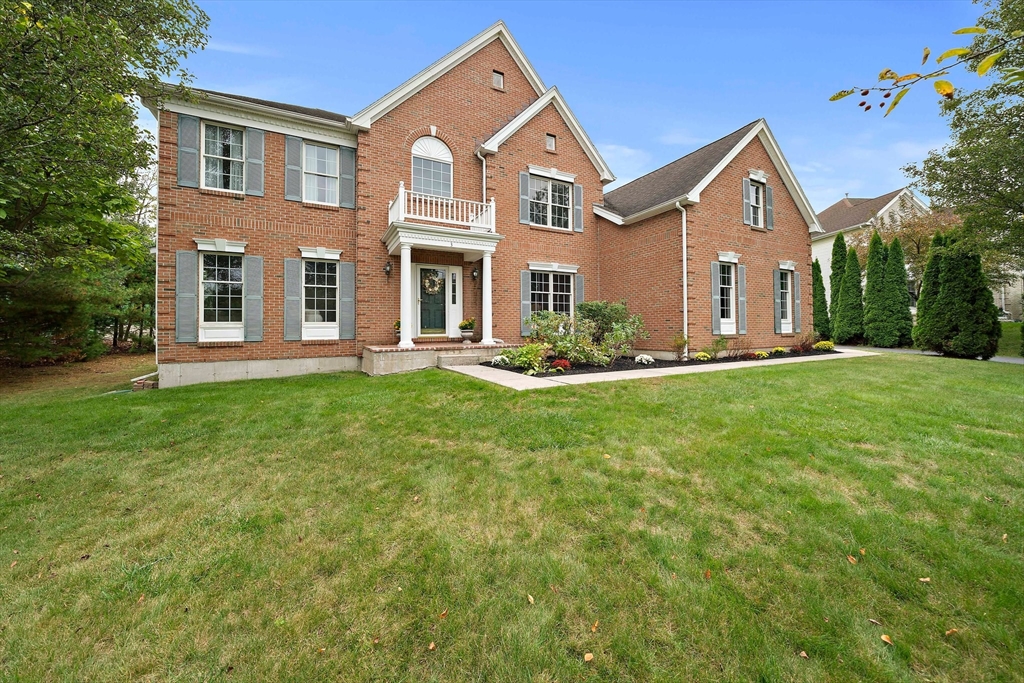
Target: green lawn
(317,528)
(1009,343)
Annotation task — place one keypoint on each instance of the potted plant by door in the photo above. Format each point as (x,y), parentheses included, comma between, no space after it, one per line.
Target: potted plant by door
(467,326)
(398,329)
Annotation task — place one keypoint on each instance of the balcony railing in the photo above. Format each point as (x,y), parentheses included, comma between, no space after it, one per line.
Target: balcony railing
(417,206)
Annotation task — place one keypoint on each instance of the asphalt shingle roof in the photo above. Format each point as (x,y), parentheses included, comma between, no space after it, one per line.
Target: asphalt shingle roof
(308,111)
(852,211)
(674,179)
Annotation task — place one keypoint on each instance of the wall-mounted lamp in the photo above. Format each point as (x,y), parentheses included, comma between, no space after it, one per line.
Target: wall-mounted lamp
(475,273)
(387,269)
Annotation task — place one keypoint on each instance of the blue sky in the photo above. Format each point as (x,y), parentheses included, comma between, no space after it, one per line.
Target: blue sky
(650,82)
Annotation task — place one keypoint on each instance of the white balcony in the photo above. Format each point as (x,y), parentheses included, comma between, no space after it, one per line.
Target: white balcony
(411,206)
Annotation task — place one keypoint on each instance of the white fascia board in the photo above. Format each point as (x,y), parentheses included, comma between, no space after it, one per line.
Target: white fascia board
(762,131)
(499,30)
(670,205)
(823,235)
(607,214)
(552,96)
(895,200)
(243,114)
(439,238)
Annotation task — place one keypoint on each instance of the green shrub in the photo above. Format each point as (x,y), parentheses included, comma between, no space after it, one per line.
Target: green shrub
(839,259)
(820,307)
(623,337)
(927,333)
(896,300)
(532,358)
(571,339)
(604,316)
(720,344)
(679,344)
(877,328)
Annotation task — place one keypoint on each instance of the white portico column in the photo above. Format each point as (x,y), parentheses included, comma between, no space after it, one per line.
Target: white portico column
(406,310)
(486,327)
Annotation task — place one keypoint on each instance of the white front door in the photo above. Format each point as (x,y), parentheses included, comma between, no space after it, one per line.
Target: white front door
(437,293)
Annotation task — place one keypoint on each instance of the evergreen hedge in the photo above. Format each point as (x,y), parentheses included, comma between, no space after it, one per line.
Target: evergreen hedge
(876,328)
(836,282)
(968,317)
(896,299)
(848,317)
(820,309)
(926,333)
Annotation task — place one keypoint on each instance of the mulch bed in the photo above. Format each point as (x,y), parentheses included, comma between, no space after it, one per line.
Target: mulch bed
(630,364)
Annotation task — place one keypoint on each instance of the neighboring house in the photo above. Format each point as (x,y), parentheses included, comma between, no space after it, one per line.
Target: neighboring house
(851,215)
(290,239)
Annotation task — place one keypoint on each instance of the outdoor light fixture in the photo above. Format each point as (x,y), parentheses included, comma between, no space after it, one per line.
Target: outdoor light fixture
(387,269)
(475,273)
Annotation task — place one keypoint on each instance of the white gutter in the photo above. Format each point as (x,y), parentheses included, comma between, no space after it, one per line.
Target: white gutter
(686,299)
(483,181)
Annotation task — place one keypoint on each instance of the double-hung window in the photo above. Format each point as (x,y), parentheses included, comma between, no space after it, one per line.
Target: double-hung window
(221,283)
(319,299)
(756,204)
(223,158)
(550,203)
(320,174)
(551,292)
(727,297)
(786,301)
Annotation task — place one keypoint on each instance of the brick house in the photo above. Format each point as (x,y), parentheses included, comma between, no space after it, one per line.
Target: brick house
(291,239)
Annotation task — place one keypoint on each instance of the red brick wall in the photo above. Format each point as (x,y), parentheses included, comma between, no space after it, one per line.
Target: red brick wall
(274,228)
(648,255)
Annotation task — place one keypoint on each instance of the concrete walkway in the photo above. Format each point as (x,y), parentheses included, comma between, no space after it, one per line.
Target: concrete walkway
(1018,360)
(519,382)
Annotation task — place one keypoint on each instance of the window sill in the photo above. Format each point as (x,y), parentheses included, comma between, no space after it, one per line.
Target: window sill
(551,151)
(545,228)
(218,344)
(498,89)
(321,207)
(758,229)
(240,196)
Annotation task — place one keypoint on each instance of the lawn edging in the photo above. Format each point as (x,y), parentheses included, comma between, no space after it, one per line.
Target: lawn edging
(524,382)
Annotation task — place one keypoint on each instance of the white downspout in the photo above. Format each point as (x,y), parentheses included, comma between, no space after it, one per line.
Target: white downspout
(686,298)
(483,179)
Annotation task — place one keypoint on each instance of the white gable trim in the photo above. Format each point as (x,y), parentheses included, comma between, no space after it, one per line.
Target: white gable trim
(895,200)
(552,96)
(761,130)
(424,78)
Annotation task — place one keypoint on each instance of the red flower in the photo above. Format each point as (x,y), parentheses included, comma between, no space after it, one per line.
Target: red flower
(562,364)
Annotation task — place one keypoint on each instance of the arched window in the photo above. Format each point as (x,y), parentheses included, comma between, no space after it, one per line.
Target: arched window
(431,167)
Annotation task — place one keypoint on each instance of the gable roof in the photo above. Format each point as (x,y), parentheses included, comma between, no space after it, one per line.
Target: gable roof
(498,31)
(684,179)
(849,212)
(554,97)
(293,108)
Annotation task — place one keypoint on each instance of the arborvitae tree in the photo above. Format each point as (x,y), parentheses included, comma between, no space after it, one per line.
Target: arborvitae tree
(875,332)
(848,318)
(967,315)
(927,334)
(835,285)
(821,323)
(898,323)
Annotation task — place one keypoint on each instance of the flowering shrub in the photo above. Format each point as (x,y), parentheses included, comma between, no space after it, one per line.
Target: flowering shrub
(825,346)
(468,324)
(644,359)
(761,355)
(501,361)
(778,350)
(702,356)
(561,365)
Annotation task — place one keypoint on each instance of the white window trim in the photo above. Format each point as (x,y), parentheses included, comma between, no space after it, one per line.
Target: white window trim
(787,265)
(758,176)
(318,331)
(444,157)
(551,142)
(786,322)
(757,188)
(215,331)
(305,200)
(320,253)
(572,199)
(729,257)
(552,267)
(497,79)
(551,284)
(202,155)
(552,173)
(220,245)
(728,325)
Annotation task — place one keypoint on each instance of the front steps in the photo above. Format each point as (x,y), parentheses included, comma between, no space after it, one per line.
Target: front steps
(387,360)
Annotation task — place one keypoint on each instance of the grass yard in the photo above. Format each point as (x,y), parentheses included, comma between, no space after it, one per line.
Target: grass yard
(1009,343)
(332,527)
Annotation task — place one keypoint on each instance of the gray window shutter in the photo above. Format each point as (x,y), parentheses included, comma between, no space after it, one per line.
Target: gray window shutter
(716,299)
(292,299)
(777,277)
(188,150)
(577,217)
(293,168)
(741,299)
(347,192)
(524,298)
(747,217)
(579,288)
(769,214)
(254,162)
(253,274)
(186,302)
(796,301)
(346,300)
(524,197)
